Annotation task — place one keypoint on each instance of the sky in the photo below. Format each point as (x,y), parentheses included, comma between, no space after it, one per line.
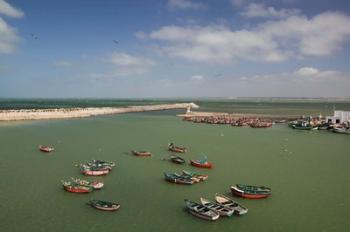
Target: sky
(174,48)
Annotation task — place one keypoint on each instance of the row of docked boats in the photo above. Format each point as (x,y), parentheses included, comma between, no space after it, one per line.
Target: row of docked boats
(96,167)
(186,177)
(223,206)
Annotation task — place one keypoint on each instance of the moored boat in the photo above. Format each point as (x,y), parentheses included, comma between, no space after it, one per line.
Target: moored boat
(177,159)
(251,192)
(104,205)
(201,211)
(46,148)
(100,164)
(237,208)
(222,210)
(75,188)
(203,163)
(141,153)
(172,147)
(192,174)
(173,178)
(93,171)
(341,130)
(94,184)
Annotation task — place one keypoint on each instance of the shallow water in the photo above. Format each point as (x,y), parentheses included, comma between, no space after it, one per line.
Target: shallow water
(307,171)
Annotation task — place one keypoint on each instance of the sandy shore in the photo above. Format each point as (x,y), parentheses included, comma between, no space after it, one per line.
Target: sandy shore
(37,114)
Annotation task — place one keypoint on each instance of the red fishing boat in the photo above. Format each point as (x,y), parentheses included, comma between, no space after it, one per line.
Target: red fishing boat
(46,148)
(202,163)
(75,188)
(90,172)
(141,153)
(250,192)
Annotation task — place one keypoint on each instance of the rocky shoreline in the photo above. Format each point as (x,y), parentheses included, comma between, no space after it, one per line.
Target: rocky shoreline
(236,119)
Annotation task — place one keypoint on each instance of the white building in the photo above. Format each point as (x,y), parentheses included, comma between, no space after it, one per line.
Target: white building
(339,117)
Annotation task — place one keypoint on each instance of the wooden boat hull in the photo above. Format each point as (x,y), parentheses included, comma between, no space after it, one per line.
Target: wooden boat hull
(174,148)
(199,165)
(201,216)
(46,149)
(108,207)
(95,173)
(76,190)
(178,150)
(230,203)
(220,209)
(178,180)
(201,211)
(200,177)
(141,153)
(237,192)
(177,160)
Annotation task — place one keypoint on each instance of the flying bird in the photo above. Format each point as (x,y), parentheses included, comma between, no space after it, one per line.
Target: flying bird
(115,41)
(33,36)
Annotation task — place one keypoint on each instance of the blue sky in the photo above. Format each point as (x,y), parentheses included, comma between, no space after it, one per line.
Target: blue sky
(174,48)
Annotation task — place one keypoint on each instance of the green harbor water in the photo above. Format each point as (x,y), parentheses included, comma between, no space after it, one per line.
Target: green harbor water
(308,172)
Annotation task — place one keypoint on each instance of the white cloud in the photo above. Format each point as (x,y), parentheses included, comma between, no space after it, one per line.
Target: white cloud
(185,4)
(307,71)
(263,11)
(304,74)
(8,10)
(271,41)
(8,38)
(126,64)
(197,77)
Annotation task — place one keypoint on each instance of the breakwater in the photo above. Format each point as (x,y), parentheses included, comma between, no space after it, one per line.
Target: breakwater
(62,113)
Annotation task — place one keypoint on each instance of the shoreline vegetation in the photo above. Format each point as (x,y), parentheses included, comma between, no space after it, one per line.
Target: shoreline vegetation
(64,113)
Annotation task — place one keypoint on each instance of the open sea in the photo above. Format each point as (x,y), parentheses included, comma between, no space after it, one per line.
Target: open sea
(308,171)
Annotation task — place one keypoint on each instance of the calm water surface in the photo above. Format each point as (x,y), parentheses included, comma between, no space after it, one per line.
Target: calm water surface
(307,171)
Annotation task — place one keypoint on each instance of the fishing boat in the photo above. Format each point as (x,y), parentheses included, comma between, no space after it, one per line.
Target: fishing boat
(172,147)
(222,210)
(46,148)
(102,163)
(201,211)
(94,184)
(341,130)
(177,159)
(104,205)
(91,171)
(192,174)
(183,176)
(251,192)
(75,188)
(173,178)
(141,153)
(203,163)
(230,203)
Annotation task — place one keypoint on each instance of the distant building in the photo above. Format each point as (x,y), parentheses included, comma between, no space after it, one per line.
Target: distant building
(339,117)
